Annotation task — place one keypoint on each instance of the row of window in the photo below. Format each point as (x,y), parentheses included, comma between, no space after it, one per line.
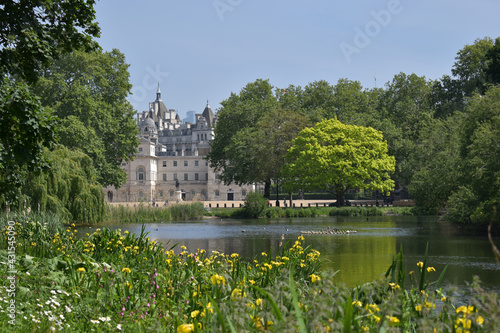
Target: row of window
(186,176)
(186,163)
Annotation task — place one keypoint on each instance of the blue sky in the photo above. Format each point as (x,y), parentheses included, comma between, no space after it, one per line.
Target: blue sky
(206,49)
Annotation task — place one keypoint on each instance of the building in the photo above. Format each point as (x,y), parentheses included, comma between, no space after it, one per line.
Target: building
(170,164)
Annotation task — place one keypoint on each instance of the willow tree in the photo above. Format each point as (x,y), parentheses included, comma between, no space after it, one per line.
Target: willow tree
(338,157)
(70,188)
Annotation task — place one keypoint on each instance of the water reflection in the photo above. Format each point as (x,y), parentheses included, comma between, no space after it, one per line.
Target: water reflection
(359,257)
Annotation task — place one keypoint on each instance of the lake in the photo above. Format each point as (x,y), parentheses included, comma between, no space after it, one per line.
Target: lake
(358,258)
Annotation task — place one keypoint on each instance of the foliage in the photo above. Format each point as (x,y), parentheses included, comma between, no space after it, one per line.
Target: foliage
(339,157)
(33,33)
(436,158)
(88,92)
(112,280)
(69,189)
(25,129)
(254,205)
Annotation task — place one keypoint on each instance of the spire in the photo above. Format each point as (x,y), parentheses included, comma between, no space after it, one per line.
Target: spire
(158,93)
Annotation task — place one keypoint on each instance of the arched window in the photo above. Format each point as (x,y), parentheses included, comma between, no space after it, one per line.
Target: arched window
(140,174)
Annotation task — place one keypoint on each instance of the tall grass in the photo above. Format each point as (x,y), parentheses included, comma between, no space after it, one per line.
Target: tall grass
(143,213)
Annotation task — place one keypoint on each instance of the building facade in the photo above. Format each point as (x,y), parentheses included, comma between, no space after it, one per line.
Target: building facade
(170,164)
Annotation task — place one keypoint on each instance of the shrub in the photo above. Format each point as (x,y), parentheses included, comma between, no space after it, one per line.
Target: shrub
(255,204)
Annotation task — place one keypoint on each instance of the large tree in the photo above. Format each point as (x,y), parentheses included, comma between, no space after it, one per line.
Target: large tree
(32,33)
(239,114)
(338,157)
(88,91)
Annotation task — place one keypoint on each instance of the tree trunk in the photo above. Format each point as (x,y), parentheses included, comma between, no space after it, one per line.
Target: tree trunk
(340,198)
(267,189)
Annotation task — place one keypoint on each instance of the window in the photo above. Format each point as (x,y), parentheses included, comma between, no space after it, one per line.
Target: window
(171,192)
(164,177)
(140,174)
(175,176)
(243,193)
(206,176)
(216,193)
(185,176)
(140,149)
(196,163)
(216,176)
(185,163)
(141,194)
(196,176)
(161,193)
(124,164)
(175,163)
(164,163)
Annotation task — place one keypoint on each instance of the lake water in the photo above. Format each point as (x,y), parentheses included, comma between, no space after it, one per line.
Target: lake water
(359,257)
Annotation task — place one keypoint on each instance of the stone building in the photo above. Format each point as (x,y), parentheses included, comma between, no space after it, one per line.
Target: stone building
(170,164)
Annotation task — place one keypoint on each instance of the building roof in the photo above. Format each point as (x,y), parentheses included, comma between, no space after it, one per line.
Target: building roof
(209,115)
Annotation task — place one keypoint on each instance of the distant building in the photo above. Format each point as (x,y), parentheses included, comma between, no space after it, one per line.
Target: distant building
(190,117)
(170,161)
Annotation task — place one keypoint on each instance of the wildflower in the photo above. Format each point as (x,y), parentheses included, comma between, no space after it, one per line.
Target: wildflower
(443,299)
(465,309)
(358,303)
(235,255)
(258,302)
(479,320)
(81,269)
(314,278)
(217,279)
(431,269)
(264,254)
(195,314)
(420,264)
(393,320)
(126,270)
(210,308)
(418,308)
(185,328)
(237,293)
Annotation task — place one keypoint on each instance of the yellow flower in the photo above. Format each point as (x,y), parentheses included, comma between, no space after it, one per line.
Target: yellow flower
(195,314)
(480,320)
(81,269)
(431,269)
(465,309)
(252,282)
(418,308)
(218,279)
(443,299)
(358,303)
(237,293)
(126,270)
(234,255)
(420,264)
(314,278)
(264,254)
(393,320)
(209,307)
(185,328)
(258,302)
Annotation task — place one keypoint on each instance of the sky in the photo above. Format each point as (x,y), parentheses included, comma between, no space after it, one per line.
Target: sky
(199,50)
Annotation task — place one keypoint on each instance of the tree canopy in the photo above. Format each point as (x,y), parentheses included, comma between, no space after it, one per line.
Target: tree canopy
(88,91)
(338,157)
(32,33)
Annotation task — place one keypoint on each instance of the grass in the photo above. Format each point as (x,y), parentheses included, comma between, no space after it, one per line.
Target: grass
(109,281)
(145,213)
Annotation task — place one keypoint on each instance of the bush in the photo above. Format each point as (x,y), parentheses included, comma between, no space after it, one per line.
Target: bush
(255,204)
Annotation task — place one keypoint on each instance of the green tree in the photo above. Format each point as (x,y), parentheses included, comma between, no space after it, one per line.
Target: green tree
(69,189)
(32,33)
(88,92)
(238,116)
(436,161)
(337,157)
(479,188)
